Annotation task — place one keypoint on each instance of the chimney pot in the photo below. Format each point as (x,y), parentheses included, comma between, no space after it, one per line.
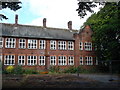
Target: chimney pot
(44,22)
(70,25)
(16,19)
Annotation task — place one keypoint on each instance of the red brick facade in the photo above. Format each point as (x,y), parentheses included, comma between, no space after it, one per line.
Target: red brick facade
(83,36)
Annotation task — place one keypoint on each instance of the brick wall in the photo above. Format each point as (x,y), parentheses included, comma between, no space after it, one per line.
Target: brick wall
(84,36)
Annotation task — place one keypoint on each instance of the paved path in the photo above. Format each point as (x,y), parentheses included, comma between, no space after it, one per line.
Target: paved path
(101,77)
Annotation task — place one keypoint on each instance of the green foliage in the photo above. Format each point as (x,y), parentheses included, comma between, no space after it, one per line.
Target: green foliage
(106,36)
(90,70)
(18,70)
(9,69)
(54,69)
(84,7)
(30,71)
(11,5)
(71,69)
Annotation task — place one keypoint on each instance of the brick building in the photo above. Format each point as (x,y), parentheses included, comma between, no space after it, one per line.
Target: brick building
(41,47)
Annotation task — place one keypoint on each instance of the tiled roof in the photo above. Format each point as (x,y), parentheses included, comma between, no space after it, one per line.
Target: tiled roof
(36,32)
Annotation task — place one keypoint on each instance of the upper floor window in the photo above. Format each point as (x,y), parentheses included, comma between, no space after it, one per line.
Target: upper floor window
(62,45)
(81,60)
(31,60)
(62,60)
(32,44)
(81,45)
(10,43)
(70,60)
(88,46)
(9,60)
(42,44)
(70,45)
(22,43)
(88,60)
(52,60)
(53,44)
(21,60)
(41,60)
(1,42)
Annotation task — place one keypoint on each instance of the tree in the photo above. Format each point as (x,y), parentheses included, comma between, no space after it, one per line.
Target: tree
(106,27)
(12,5)
(83,7)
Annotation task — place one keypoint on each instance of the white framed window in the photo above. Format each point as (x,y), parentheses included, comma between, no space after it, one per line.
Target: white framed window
(81,60)
(21,60)
(41,44)
(52,44)
(1,42)
(9,60)
(88,46)
(81,45)
(62,60)
(52,60)
(70,60)
(88,60)
(22,43)
(10,43)
(31,60)
(32,44)
(0,59)
(62,45)
(70,45)
(41,60)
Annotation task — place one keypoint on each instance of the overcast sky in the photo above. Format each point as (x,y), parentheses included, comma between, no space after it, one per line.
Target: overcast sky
(57,12)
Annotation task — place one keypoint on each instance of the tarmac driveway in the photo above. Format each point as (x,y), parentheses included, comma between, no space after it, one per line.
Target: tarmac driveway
(61,81)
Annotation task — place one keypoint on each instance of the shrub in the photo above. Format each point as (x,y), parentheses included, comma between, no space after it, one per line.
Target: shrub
(71,69)
(9,69)
(54,69)
(18,70)
(83,70)
(30,71)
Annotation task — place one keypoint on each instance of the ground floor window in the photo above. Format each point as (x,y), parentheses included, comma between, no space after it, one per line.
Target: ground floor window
(62,60)
(70,60)
(31,60)
(9,60)
(81,60)
(41,60)
(88,60)
(21,60)
(52,60)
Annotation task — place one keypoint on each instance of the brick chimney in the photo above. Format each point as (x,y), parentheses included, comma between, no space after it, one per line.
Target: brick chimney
(16,19)
(70,25)
(44,22)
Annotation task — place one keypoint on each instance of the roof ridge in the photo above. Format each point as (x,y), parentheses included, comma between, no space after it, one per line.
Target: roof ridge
(40,26)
